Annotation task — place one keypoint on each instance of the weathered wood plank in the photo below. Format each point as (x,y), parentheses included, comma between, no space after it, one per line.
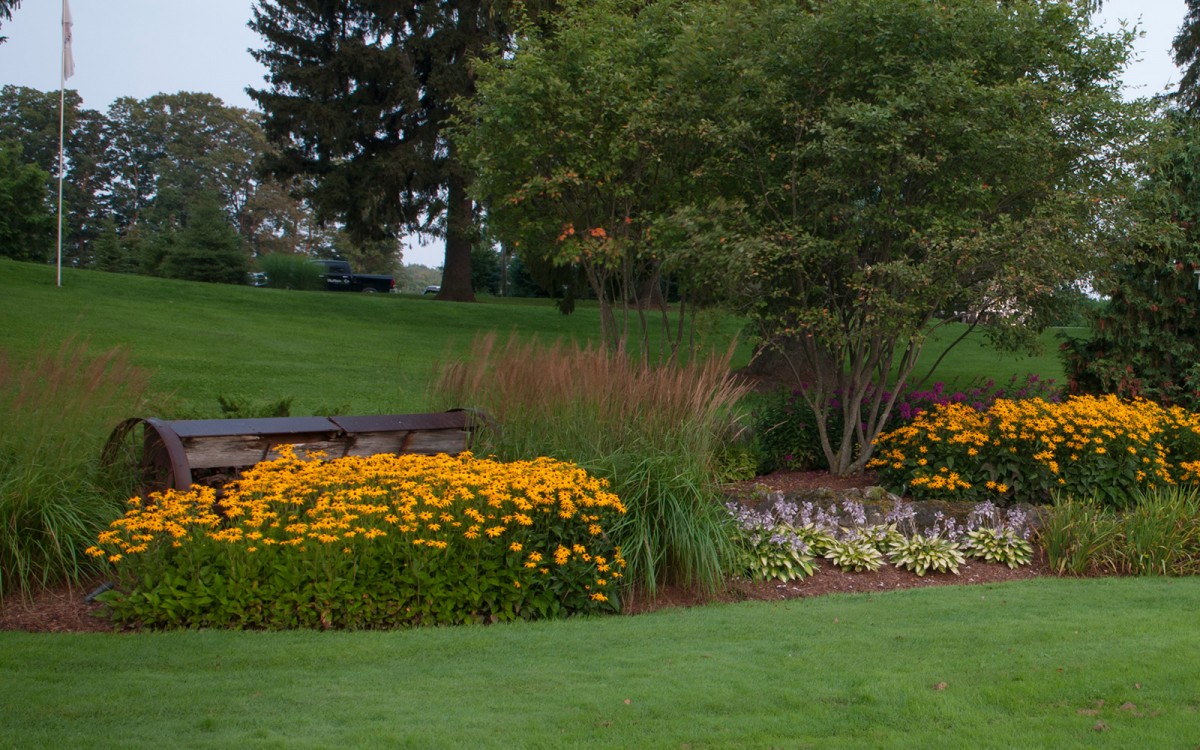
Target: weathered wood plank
(212,452)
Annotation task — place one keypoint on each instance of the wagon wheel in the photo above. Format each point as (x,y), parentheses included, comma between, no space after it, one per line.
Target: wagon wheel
(134,461)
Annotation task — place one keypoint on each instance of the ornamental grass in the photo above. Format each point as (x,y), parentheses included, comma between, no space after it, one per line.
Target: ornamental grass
(1158,536)
(369,542)
(56,409)
(655,432)
(1032,450)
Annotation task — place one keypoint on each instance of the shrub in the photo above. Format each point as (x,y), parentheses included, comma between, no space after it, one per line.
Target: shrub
(655,432)
(369,542)
(56,412)
(292,272)
(1028,450)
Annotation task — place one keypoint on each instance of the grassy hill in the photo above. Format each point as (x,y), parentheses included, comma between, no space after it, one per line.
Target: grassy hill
(328,352)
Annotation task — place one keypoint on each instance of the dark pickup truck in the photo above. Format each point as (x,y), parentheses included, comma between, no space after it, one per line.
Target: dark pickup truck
(340,278)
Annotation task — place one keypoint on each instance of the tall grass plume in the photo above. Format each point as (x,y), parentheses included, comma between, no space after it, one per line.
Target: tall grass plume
(57,409)
(654,431)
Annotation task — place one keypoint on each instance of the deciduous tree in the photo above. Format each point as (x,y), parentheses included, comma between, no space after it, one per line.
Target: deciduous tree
(841,172)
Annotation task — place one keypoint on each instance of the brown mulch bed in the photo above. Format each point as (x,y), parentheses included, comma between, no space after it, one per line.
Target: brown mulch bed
(63,609)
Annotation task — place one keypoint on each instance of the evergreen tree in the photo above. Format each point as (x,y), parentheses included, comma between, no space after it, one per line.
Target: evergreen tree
(1187,56)
(6,9)
(207,248)
(1146,339)
(360,96)
(110,252)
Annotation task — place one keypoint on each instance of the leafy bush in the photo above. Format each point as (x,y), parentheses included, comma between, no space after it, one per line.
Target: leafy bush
(1158,535)
(655,432)
(368,542)
(1031,449)
(292,272)
(56,412)
(786,433)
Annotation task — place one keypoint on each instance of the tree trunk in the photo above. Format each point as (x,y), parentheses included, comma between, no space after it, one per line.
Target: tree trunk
(460,220)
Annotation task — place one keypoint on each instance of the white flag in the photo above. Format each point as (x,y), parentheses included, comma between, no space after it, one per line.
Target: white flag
(67,60)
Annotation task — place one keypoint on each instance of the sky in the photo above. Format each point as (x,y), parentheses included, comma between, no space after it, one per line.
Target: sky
(140,48)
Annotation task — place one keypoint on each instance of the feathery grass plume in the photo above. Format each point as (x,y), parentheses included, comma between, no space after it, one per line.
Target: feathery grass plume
(57,410)
(654,432)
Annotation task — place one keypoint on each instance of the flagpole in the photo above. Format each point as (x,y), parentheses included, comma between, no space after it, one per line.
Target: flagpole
(65,70)
(61,123)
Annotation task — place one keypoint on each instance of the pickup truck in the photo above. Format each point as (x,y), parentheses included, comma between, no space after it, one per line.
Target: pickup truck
(340,278)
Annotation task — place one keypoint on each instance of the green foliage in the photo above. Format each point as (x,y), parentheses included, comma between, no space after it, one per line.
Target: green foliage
(999,546)
(1186,47)
(110,253)
(857,553)
(485,270)
(996,538)
(776,532)
(738,461)
(57,408)
(207,249)
(769,547)
(233,407)
(292,272)
(26,219)
(32,118)
(654,432)
(1158,535)
(923,553)
(1145,341)
(787,435)
(576,159)
(374,155)
(840,175)
(774,562)
(785,432)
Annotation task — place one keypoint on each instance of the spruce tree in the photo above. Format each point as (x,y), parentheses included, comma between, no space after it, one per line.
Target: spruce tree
(359,99)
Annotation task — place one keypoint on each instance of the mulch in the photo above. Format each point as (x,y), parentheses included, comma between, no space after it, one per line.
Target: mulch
(63,609)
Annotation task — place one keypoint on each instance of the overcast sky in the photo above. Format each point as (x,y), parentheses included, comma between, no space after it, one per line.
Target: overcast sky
(140,48)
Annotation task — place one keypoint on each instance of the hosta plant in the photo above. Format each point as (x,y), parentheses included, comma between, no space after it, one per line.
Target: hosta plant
(817,537)
(779,559)
(998,538)
(770,547)
(856,552)
(922,553)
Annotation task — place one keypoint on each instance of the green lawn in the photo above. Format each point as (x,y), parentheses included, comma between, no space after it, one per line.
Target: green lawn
(345,353)
(1045,663)
(348,353)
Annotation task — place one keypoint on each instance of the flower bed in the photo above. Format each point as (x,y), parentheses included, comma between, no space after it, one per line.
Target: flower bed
(781,540)
(369,542)
(1031,449)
